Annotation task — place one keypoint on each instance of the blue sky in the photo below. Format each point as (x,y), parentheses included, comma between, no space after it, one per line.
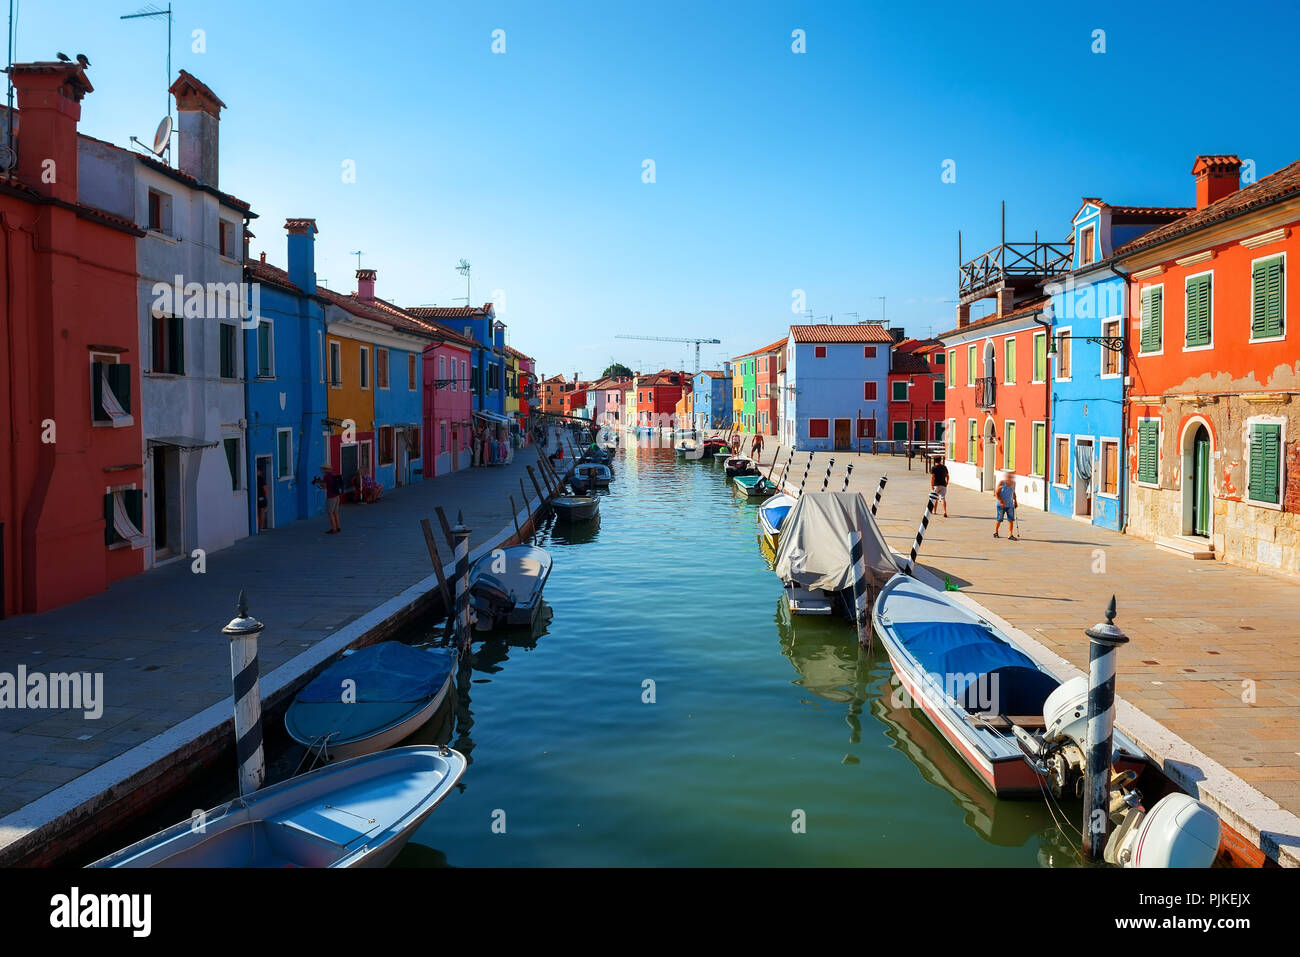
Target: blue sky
(775,171)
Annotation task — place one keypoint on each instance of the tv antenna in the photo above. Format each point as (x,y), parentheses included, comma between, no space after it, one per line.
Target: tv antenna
(358,253)
(149,11)
(463,268)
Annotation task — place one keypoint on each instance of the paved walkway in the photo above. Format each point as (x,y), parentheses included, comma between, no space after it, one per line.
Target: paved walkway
(1212,655)
(156,638)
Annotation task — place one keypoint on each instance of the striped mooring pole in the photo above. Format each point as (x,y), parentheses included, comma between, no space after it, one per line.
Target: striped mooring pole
(461,534)
(806,469)
(785,471)
(861,608)
(243,632)
(920,532)
(1103,639)
(827,480)
(880,490)
(848,470)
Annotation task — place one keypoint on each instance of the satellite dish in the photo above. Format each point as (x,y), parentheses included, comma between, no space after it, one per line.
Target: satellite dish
(162,139)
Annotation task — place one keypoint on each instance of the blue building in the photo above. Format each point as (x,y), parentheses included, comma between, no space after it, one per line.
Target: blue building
(711,398)
(835,379)
(284,384)
(1085,472)
(488,368)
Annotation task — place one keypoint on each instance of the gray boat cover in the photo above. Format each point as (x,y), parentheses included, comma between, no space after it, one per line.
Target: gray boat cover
(814,548)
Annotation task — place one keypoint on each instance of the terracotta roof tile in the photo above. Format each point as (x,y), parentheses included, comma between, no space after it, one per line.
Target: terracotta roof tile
(772,347)
(450,312)
(1022,311)
(867,332)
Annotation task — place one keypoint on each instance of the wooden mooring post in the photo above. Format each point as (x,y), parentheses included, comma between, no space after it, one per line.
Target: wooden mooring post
(848,471)
(542,496)
(827,480)
(443,588)
(861,607)
(920,532)
(461,534)
(1103,640)
(880,490)
(242,632)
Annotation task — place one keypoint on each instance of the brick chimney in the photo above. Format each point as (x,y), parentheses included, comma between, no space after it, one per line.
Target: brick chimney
(366,284)
(49,108)
(199,117)
(1216,177)
(963,316)
(302,253)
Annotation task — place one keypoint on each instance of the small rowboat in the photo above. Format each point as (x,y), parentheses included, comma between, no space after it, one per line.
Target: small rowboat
(576,508)
(506,586)
(579,485)
(754,486)
(370,699)
(770,516)
(714,447)
(356,813)
(739,465)
(972,681)
(597,474)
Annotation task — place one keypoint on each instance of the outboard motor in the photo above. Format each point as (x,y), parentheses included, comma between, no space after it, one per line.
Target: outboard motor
(491,600)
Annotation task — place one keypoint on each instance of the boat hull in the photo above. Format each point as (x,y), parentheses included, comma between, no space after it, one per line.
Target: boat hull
(576,511)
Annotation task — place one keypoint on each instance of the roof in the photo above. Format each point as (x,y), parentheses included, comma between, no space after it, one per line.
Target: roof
(908,363)
(450,312)
(773,347)
(661,378)
(1024,310)
(177,174)
(916,345)
(1284,184)
(822,332)
(512,351)
(379,311)
(716,373)
(403,319)
(263,271)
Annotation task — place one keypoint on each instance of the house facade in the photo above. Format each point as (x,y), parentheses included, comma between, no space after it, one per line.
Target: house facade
(1214,400)
(284,383)
(711,399)
(834,384)
(448,405)
(488,363)
(72,480)
(917,387)
(656,398)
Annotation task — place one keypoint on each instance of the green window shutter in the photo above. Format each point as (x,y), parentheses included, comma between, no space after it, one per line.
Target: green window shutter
(1198,311)
(1148,452)
(1266,300)
(110,534)
(1009,446)
(1040,358)
(1040,448)
(176,346)
(97,412)
(119,380)
(1265,454)
(1152,319)
(135,507)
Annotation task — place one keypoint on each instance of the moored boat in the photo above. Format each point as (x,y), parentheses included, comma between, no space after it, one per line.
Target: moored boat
(576,508)
(770,516)
(506,586)
(754,486)
(356,813)
(370,699)
(596,474)
(740,465)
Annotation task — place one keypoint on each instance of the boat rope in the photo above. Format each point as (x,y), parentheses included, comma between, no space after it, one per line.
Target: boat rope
(920,532)
(880,490)
(315,750)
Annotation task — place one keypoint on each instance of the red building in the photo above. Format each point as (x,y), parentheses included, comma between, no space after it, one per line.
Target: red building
(71,473)
(575,399)
(916,391)
(656,397)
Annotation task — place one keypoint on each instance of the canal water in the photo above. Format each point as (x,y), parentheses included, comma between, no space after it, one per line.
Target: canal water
(667,712)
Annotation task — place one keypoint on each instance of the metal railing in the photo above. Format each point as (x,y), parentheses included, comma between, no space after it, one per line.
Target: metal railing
(985,392)
(1013,259)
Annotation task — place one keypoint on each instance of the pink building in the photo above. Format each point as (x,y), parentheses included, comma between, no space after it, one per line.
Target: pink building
(448,403)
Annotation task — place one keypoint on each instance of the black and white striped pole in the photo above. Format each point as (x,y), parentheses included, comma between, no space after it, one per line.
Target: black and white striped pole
(785,471)
(880,490)
(848,470)
(1104,638)
(827,480)
(461,534)
(243,632)
(920,532)
(806,469)
(861,607)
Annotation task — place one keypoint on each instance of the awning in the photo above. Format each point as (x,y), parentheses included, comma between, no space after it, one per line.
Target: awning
(185,443)
(494,417)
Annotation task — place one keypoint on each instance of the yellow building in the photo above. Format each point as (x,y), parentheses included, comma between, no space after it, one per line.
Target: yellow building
(512,383)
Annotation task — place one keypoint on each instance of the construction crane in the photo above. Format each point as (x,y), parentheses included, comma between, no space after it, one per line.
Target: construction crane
(697,342)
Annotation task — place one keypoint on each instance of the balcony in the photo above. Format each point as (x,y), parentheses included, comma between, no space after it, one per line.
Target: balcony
(986,392)
(1011,263)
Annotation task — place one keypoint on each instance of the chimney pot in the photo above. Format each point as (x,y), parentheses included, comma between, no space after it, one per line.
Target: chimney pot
(302,253)
(366,284)
(263,255)
(49,108)
(1217,176)
(199,117)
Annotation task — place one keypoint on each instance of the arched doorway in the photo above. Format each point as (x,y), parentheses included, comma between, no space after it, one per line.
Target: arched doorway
(987,476)
(1197,453)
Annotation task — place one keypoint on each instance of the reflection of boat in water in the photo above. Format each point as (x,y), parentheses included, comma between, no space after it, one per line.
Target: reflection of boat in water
(824,653)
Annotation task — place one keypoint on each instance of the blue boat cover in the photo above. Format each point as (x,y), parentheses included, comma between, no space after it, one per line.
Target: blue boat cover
(776,514)
(388,671)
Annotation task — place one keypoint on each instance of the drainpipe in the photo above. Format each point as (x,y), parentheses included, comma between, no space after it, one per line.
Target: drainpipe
(1047,414)
(1123,402)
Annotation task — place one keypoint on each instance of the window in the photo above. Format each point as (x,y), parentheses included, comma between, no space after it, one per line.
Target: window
(336,365)
(385,445)
(818,428)
(1265,464)
(938,358)
(1152,319)
(1110,357)
(413,435)
(900,431)
(124,517)
(1009,361)
(1109,478)
(110,391)
(1198,333)
(381,368)
(284,454)
(952,439)
(229,366)
(819,352)
(462,375)
(1063,343)
(1040,357)
(363,458)
(868,352)
(939,391)
(320,350)
(972,430)
(265,350)
(442,372)
(952,368)
(232,460)
(1267,310)
(1061,474)
(365,367)
(1037,463)
(226,238)
(866,428)
(1009,446)
(1149,451)
(169,345)
(898,390)
(160,212)
(970,365)
(1087,236)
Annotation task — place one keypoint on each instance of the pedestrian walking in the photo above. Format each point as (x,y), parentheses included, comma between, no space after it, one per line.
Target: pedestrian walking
(939,482)
(1005,494)
(756,447)
(333,485)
